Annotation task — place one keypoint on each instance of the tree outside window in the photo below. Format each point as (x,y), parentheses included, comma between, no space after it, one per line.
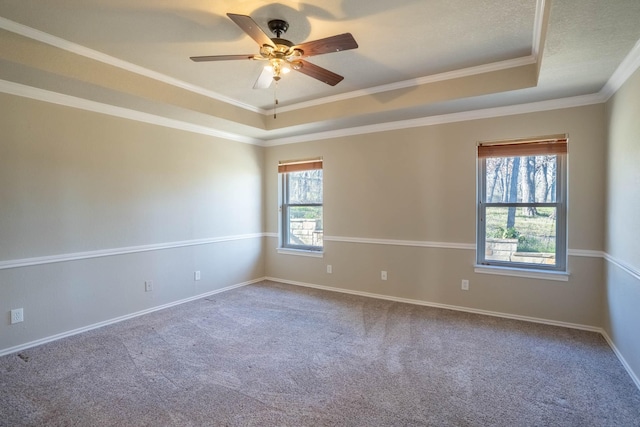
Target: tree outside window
(301,209)
(522,204)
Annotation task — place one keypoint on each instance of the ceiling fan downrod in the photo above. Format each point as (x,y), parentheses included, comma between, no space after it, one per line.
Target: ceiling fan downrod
(278,27)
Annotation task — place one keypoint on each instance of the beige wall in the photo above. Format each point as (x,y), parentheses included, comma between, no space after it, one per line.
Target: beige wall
(623,224)
(74,181)
(419,184)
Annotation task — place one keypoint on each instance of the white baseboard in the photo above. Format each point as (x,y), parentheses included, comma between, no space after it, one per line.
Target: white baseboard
(621,358)
(56,337)
(445,306)
(599,330)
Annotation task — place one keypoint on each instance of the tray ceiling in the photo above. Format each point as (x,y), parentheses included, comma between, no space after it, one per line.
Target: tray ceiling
(415,58)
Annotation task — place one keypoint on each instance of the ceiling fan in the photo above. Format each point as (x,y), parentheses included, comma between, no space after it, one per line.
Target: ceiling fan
(282,55)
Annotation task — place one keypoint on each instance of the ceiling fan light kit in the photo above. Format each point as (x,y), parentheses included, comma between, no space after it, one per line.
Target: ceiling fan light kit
(282,55)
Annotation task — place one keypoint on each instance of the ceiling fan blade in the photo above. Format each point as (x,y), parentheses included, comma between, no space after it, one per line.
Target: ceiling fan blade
(250,27)
(264,80)
(319,73)
(330,44)
(221,57)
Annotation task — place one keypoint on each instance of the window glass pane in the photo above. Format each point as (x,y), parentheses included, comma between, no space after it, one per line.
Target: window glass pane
(530,179)
(520,235)
(305,225)
(305,186)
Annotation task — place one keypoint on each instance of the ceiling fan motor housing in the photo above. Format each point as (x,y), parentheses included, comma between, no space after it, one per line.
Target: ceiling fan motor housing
(284,42)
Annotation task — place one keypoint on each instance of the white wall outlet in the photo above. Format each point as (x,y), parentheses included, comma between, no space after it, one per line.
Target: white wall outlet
(148,285)
(465,285)
(383,275)
(329,269)
(196,275)
(17,315)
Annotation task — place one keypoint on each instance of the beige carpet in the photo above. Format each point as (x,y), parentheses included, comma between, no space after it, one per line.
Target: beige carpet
(276,355)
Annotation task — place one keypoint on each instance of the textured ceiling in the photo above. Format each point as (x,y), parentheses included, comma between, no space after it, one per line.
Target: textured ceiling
(404,47)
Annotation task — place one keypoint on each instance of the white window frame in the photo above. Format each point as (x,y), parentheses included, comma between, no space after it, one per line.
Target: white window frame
(560,205)
(284,169)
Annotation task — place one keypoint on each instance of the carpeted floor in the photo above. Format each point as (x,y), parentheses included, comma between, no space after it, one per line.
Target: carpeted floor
(277,355)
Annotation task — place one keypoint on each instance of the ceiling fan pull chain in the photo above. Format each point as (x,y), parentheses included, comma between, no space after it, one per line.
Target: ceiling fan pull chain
(275,99)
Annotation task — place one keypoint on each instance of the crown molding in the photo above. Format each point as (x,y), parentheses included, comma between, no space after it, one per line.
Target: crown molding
(18,89)
(627,67)
(63,44)
(538,28)
(536,48)
(510,110)
(126,113)
(450,75)
(69,46)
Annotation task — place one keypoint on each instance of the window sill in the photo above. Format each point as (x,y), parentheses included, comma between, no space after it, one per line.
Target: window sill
(300,252)
(561,276)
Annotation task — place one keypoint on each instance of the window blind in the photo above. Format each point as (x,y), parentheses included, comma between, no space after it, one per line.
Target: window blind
(299,165)
(541,146)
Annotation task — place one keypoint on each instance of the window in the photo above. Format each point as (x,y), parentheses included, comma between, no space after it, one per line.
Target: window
(301,210)
(522,203)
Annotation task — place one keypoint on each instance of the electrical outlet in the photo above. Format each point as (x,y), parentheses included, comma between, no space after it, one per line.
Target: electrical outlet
(196,275)
(148,285)
(17,315)
(465,285)
(383,275)
(329,269)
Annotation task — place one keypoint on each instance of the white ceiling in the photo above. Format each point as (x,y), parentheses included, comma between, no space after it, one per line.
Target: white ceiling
(403,44)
